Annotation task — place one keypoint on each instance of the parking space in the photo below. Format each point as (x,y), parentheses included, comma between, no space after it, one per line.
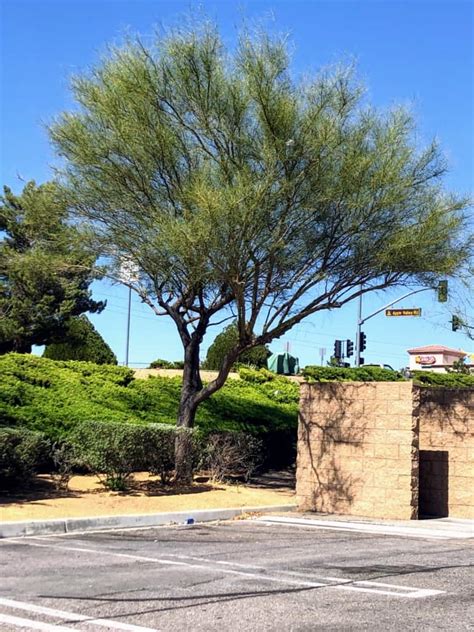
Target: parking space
(249,575)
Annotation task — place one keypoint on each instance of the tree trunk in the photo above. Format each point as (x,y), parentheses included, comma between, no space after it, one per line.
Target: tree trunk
(193,394)
(192,384)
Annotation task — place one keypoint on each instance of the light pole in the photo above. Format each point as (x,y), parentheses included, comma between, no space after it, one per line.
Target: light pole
(129,312)
(128,274)
(359,330)
(361,321)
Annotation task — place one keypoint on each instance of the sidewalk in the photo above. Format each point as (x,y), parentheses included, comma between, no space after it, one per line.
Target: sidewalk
(437,528)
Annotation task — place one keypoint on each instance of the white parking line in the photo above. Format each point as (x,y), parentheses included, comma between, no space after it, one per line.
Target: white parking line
(278,576)
(361,527)
(29,624)
(71,617)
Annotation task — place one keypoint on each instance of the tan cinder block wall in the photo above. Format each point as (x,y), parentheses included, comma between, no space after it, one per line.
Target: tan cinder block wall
(358,449)
(446,421)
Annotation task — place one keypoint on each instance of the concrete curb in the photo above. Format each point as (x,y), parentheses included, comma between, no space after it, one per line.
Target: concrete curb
(70,525)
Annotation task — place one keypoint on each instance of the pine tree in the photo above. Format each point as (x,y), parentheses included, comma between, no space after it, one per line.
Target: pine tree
(81,341)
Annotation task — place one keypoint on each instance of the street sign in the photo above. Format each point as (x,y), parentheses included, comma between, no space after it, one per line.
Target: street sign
(416,311)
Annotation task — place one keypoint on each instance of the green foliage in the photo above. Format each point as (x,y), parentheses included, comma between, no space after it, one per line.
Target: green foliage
(376,374)
(225,342)
(242,187)
(361,374)
(54,396)
(276,387)
(80,341)
(257,376)
(114,451)
(22,452)
(447,380)
(166,364)
(461,366)
(45,268)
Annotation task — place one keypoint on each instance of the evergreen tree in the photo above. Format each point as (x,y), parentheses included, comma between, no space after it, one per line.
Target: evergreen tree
(45,268)
(225,341)
(81,341)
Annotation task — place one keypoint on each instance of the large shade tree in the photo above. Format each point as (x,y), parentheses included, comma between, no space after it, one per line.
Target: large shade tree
(240,192)
(45,268)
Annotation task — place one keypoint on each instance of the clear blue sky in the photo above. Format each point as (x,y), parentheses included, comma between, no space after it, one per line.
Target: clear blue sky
(416,52)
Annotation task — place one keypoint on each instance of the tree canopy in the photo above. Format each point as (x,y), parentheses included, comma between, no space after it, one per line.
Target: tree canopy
(241,192)
(81,341)
(45,268)
(225,342)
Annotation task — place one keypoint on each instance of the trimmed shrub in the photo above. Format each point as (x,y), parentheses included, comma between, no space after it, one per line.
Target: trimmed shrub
(446,380)
(359,374)
(159,450)
(54,397)
(276,387)
(22,454)
(113,451)
(166,364)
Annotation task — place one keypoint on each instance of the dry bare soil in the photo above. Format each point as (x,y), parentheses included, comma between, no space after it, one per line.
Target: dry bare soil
(87,497)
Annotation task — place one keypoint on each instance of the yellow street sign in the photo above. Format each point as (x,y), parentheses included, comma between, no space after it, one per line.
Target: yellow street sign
(416,311)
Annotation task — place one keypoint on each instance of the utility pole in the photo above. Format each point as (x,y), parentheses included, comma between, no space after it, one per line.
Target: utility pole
(127,343)
(322,353)
(359,330)
(361,321)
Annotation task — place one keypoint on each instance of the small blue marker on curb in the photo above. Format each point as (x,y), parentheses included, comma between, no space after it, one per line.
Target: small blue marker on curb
(189,521)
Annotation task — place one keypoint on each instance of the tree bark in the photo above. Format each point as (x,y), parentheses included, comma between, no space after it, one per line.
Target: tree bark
(192,395)
(192,384)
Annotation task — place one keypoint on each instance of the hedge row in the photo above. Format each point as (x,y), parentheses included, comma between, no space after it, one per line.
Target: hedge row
(114,451)
(53,397)
(446,380)
(376,374)
(360,374)
(22,453)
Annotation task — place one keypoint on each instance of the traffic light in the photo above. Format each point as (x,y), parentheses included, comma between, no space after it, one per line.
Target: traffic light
(349,348)
(456,323)
(442,291)
(362,341)
(338,349)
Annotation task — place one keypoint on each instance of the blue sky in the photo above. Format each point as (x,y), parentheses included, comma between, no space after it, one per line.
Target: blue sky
(419,53)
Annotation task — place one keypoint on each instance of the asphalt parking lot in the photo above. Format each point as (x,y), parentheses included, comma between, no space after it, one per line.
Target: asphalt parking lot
(238,575)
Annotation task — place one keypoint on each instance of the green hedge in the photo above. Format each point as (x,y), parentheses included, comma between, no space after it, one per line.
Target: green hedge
(22,454)
(361,374)
(166,364)
(116,450)
(446,380)
(376,374)
(53,397)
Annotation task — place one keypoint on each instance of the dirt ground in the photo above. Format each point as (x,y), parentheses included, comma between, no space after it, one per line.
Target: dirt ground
(86,497)
(207,376)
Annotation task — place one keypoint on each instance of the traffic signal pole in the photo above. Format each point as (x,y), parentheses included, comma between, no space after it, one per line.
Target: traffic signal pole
(359,330)
(361,321)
